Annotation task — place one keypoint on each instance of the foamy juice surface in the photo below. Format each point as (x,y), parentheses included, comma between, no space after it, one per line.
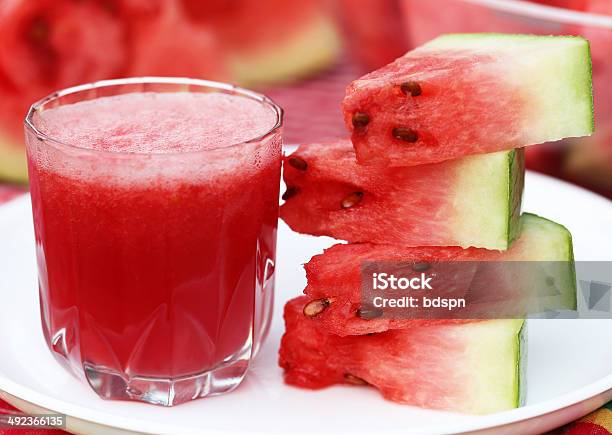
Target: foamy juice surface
(149,135)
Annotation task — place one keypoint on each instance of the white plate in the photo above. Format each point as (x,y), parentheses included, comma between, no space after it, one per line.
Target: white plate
(569,370)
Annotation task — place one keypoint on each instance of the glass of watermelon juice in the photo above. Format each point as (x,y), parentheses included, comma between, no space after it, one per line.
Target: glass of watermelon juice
(155,206)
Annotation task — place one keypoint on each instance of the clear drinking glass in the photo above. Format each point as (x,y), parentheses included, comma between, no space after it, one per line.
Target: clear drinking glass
(156,271)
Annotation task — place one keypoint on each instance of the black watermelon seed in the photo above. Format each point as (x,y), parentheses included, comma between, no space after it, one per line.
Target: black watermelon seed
(369,313)
(421,266)
(406,134)
(298,163)
(360,120)
(290,192)
(411,88)
(352,379)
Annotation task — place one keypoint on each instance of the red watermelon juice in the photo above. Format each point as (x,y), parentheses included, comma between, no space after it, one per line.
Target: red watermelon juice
(155,211)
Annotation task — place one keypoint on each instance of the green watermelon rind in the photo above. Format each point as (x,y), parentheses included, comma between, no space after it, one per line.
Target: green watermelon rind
(574,74)
(499,364)
(488,192)
(568,299)
(521,366)
(504,359)
(516,186)
(496,359)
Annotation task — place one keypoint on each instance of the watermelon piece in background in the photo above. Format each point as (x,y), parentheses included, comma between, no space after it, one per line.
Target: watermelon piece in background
(163,42)
(472,367)
(57,43)
(590,162)
(271,41)
(374,31)
(474,201)
(469,94)
(546,158)
(49,45)
(336,275)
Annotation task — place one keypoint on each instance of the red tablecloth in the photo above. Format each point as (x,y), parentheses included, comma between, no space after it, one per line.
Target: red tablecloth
(312,113)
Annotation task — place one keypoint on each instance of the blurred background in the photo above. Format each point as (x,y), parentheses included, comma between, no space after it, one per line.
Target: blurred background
(302,53)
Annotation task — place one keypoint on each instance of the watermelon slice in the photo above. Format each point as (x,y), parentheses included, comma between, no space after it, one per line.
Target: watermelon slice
(473,367)
(475,200)
(470,94)
(335,279)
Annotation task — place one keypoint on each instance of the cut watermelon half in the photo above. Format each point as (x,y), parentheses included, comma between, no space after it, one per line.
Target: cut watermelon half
(335,277)
(468,94)
(49,45)
(191,51)
(272,41)
(472,201)
(472,367)
(375,34)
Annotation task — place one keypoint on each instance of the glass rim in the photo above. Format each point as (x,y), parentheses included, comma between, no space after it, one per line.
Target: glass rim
(546,12)
(219,86)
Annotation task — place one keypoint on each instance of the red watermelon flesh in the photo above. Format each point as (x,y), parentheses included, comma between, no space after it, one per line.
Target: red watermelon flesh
(466,367)
(427,205)
(374,31)
(51,44)
(335,276)
(469,94)
(163,42)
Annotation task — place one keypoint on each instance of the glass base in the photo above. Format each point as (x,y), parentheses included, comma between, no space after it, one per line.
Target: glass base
(112,385)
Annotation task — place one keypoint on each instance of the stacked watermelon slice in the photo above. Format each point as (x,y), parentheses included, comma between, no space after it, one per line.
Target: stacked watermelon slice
(432,176)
